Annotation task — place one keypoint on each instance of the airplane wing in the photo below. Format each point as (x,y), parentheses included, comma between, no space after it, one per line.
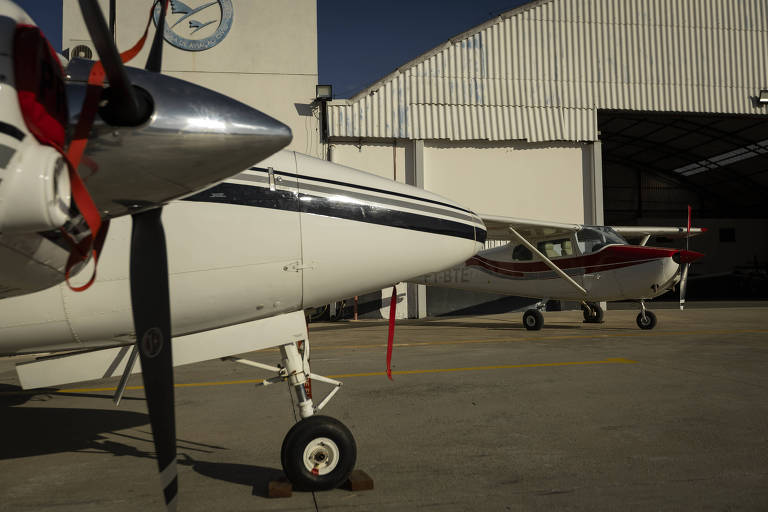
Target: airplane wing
(498,227)
(506,228)
(669,232)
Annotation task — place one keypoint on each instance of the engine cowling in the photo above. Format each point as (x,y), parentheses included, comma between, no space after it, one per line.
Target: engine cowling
(34,188)
(35,191)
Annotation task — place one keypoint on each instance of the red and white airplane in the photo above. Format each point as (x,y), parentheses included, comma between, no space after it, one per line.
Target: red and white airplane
(588,264)
(244,257)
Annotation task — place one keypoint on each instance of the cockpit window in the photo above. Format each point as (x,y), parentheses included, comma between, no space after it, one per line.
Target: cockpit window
(593,238)
(521,253)
(556,248)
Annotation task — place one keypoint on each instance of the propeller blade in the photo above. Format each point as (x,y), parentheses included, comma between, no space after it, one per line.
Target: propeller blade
(686,258)
(155,59)
(683,282)
(152,321)
(124,103)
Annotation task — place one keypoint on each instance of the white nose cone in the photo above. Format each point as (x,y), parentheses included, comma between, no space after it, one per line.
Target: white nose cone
(389,232)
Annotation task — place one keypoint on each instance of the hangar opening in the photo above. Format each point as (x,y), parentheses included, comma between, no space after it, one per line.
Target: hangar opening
(656,164)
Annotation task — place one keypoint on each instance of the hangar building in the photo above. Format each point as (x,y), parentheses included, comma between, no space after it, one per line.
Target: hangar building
(589,111)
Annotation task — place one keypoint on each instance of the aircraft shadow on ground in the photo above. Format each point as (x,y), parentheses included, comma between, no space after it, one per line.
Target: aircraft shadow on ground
(496,326)
(256,477)
(34,431)
(499,326)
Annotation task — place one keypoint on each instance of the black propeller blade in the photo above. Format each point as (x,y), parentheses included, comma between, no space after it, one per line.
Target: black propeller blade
(152,321)
(152,318)
(155,59)
(125,107)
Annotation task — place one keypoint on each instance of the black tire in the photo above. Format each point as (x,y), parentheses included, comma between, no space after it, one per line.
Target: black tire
(593,315)
(307,441)
(648,323)
(533,320)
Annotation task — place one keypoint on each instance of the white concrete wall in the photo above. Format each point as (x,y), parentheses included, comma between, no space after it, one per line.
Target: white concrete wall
(268,59)
(517,179)
(386,159)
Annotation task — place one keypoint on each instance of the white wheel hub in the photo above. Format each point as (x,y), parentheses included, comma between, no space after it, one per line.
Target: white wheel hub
(321,456)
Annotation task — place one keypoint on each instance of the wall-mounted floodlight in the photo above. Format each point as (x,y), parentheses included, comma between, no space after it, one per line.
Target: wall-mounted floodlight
(762,99)
(324,92)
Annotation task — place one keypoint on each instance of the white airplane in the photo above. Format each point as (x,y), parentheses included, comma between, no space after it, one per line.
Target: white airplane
(588,264)
(246,256)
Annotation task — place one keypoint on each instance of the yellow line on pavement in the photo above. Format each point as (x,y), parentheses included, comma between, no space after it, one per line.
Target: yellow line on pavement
(534,338)
(614,360)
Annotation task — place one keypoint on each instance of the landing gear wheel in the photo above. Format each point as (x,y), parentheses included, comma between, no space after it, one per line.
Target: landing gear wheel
(649,322)
(318,453)
(533,319)
(593,315)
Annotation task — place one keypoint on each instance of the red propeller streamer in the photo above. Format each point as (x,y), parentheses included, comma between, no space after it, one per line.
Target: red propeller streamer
(391,337)
(94,242)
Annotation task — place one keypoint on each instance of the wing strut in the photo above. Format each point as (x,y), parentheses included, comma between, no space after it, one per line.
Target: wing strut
(547,261)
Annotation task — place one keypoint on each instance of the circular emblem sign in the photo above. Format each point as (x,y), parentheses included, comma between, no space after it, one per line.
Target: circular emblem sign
(152,342)
(196,25)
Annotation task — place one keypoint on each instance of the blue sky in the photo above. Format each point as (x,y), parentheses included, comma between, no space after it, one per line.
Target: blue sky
(359,41)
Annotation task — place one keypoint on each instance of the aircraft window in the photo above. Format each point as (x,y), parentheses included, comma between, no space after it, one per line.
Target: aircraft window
(593,238)
(521,253)
(556,248)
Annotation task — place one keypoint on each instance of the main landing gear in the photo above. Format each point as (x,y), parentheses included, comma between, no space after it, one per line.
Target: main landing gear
(645,319)
(533,320)
(593,313)
(318,452)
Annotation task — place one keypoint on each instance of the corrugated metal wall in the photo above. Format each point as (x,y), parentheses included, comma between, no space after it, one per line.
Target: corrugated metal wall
(540,72)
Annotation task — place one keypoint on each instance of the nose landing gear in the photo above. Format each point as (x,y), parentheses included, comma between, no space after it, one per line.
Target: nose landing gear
(645,319)
(318,452)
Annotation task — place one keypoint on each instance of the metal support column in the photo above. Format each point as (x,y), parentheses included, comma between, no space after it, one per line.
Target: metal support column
(592,176)
(416,293)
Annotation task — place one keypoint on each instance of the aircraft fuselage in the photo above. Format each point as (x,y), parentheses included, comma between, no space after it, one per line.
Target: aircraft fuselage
(292,233)
(615,272)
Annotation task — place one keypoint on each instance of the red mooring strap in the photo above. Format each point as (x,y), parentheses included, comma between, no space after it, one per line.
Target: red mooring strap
(93,243)
(391,337)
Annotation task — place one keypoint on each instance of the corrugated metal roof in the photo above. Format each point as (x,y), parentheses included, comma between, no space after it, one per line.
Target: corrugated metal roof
(540,72)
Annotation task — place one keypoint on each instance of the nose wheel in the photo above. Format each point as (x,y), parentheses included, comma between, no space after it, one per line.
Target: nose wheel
(646,320)
(318,453)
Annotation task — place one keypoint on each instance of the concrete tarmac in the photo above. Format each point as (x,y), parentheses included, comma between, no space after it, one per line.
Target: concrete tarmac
(481,415)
